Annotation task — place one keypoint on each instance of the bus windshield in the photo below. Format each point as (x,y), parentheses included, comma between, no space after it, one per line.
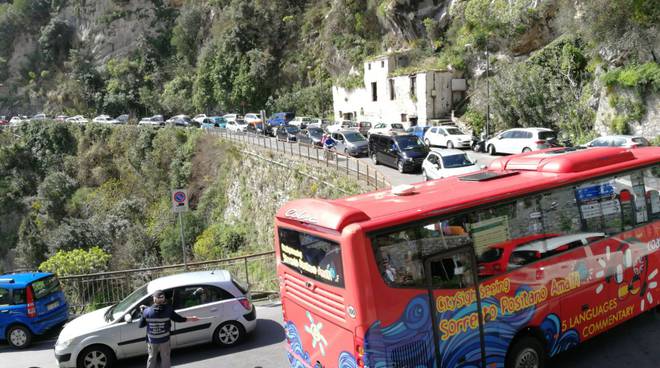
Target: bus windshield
(311,256)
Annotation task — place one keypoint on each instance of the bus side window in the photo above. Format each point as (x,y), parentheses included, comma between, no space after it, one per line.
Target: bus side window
(453,272)
(652,186)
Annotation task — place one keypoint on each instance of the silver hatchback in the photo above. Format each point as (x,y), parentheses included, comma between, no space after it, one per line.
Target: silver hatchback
(97,339)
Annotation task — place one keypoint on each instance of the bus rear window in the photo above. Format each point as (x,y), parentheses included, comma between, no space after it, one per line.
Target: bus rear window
(45,286)
(311,256)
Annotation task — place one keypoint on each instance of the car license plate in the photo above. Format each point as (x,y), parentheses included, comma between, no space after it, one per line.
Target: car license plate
(52,305)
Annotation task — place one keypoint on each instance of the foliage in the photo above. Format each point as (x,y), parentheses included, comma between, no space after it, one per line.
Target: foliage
(642,76)
(219,241)
(77,262)
(55,41)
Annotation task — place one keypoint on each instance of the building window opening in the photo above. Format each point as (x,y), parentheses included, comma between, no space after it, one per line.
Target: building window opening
(382,63)
(404,118)
(368,66)
(413,85)
(392,92)
(374,91)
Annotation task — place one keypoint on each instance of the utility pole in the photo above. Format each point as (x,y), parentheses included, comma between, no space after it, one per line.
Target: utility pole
(487,92)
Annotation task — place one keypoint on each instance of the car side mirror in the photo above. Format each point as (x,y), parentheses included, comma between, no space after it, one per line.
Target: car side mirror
(128,318)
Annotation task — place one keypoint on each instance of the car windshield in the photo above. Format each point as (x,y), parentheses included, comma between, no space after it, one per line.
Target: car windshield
(315,132)
(547,135)
(641,141)
(119,309)
(453,131)
(407,143)
(354,137)
(454,161)
(292,129)
(397,126)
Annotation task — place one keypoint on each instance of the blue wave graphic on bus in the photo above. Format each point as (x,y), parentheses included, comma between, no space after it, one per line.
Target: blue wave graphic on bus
(347,360)
(407,342)
(558,341)
(293,338)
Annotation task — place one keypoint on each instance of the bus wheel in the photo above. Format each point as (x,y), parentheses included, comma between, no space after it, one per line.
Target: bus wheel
(526,352)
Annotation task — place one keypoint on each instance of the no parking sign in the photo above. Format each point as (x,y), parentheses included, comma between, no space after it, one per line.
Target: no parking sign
(179,200)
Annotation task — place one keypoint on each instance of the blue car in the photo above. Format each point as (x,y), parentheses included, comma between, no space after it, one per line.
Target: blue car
(217,122)
(30,304)
(418,131)
(278,119)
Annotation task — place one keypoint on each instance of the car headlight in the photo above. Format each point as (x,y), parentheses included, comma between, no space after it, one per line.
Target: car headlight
(63,344)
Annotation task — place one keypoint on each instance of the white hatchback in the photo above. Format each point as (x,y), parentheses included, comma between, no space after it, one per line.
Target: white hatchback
(386,128)
(447,136)
(97,339)
(443,163)
(521,140)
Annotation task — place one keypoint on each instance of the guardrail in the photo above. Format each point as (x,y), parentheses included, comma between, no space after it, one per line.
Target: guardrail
(89,292)
(362,171)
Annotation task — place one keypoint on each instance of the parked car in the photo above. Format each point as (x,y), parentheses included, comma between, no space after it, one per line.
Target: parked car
(222,304)
(630,141)
(311,136)
(495,259)
(342,125)
(521,140)
(233,117)
(30,304)
(543,248)
(405,152)
(122,119)
(39,117)
(156,121)
(78,119)
(18,120)
(287,133)
(447,136)
(199,118)
(236,125)
(105,119)
(256,128)
(61,118)
(301,121)
(278,119)
(443,163)
(253,118)
(3,120)
(219,121)
(419,131)
(318,123)
(351,143)
(386,128)
(184,121)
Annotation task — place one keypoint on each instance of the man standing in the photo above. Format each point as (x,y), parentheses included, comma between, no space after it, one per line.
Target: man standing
(158,319)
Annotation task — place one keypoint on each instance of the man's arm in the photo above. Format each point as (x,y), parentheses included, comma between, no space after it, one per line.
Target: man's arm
(143,320)
(179,318)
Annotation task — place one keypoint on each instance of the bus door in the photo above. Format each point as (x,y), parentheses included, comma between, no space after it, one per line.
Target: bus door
(456,308)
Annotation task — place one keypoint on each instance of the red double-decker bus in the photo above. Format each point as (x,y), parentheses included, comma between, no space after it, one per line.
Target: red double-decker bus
(499,268)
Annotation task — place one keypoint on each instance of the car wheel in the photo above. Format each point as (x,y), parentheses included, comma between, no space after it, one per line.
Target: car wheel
(491,150)
(526,149)
(426,177)
(526,352)
(399,166)
(374,158)
(96,356)
(229,333)
(450,144)
(19,337)
(428,142)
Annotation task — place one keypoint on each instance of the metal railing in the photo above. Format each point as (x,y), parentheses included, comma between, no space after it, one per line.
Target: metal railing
(89,292)
(351,166)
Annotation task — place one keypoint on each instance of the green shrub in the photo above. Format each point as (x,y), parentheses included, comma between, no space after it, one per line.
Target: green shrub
(634,76)
(77,262)
(619,124)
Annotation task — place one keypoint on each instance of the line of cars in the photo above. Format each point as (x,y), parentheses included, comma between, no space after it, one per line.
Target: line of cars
(34,303)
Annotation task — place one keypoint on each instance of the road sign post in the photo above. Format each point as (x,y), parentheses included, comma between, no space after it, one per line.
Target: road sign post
(180,205)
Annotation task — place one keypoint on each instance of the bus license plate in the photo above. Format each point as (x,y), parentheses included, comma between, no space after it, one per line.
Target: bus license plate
(52,305)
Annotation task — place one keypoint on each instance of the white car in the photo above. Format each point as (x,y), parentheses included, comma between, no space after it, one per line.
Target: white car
(343,125)
(443,163)
(521,140)
(233,117)
(198,118)
(386,128)
(18,120)
(156,120)
(105,119)
(301,122)
(629,141)
(78,119)
(253,118)
(237,125)
(97,339)
(39,117)
(447,136)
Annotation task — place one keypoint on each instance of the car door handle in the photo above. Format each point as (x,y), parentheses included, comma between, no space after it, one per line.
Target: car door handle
(214,309)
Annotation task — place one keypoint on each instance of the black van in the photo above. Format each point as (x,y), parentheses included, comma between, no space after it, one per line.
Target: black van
(402,151)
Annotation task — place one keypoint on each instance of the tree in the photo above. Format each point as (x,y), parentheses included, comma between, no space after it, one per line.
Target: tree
(55,41)
(188,33)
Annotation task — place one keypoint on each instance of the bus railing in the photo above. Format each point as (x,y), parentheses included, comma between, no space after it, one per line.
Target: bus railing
(351,166)
(85,293)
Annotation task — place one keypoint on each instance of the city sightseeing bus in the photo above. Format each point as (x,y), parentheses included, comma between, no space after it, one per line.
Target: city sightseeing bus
(499,268)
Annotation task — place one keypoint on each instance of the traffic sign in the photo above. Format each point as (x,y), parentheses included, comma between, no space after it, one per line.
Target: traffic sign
(179,200)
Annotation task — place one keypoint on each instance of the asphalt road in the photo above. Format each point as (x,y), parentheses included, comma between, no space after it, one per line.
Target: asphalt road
(633,344)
